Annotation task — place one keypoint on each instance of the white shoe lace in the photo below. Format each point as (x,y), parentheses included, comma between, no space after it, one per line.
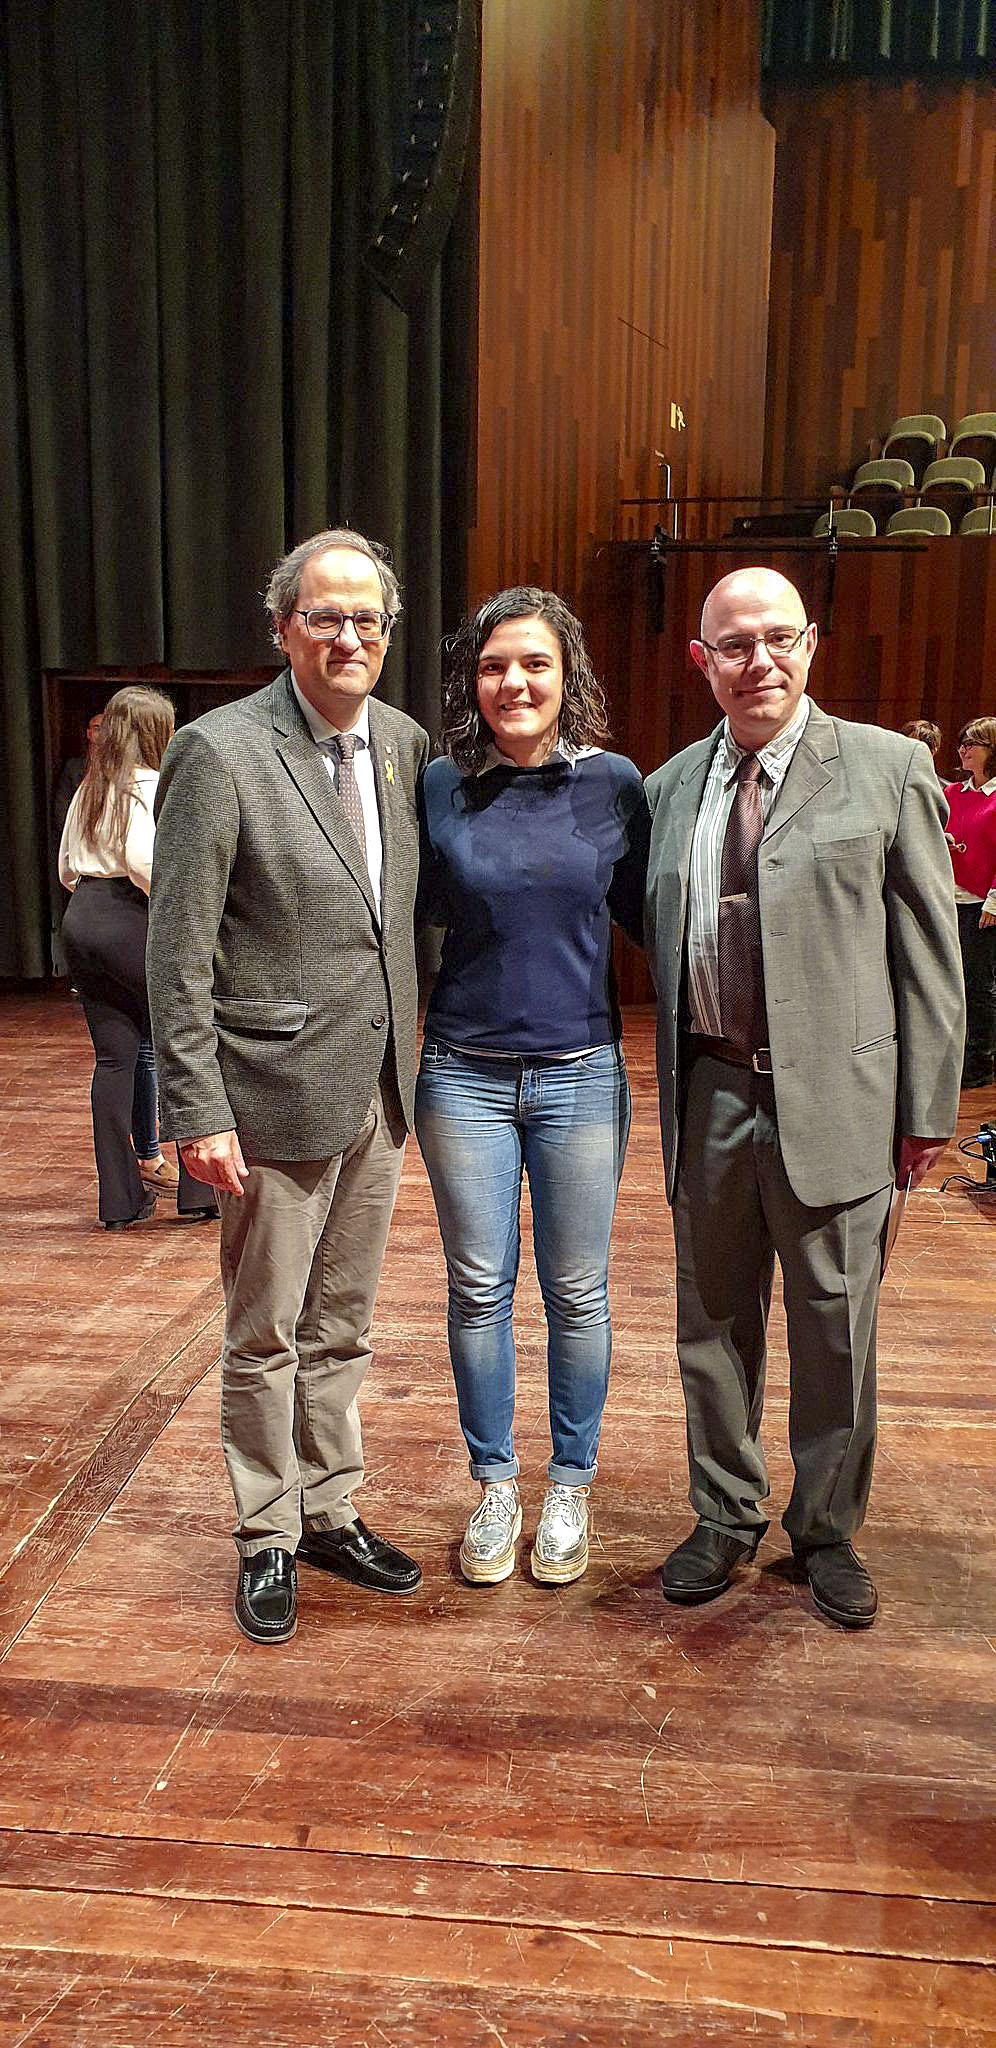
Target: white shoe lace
(564,1504)
(498,1504)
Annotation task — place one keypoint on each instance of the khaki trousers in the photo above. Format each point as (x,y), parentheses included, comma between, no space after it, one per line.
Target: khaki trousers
(301,1254)
(734,1209)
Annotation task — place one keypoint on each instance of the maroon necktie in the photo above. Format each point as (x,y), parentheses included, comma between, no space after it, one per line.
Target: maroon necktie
(741,968)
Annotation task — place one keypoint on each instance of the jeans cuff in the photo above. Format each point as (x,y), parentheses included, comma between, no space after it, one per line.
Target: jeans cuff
(570,1475)
(491,1470)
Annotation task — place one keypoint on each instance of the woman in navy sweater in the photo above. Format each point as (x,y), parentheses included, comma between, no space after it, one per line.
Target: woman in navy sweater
(534,839)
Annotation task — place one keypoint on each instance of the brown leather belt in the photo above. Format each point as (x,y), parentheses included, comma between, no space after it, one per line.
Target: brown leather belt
(723,1049)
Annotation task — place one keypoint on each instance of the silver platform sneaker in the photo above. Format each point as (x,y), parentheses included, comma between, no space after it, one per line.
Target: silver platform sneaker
(487,1553)
(560,1552)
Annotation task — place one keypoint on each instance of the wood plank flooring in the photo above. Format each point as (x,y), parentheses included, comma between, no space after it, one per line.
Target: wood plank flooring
(513,1815)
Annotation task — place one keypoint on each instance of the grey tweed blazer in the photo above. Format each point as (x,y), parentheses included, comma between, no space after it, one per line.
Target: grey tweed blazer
(862,971)
(275,988)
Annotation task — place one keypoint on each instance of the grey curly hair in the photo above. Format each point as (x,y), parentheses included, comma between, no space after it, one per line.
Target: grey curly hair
(280,595)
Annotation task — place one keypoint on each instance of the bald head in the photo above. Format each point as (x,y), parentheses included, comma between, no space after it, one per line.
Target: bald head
(755,652)
(766,586)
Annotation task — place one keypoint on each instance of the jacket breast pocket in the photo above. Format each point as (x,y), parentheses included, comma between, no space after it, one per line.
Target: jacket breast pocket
(861,847)
(260,1016)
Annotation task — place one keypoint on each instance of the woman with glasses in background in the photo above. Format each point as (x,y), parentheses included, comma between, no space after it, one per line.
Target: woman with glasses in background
(534,839)
(105,859)
(971,836)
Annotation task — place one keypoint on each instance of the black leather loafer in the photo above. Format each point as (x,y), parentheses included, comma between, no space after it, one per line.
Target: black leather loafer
(355,1553)
(266,1596)
(704,1564)
(839,1583)
(125,1222)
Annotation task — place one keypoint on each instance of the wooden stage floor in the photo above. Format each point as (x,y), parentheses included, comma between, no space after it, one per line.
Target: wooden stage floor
(514,1816)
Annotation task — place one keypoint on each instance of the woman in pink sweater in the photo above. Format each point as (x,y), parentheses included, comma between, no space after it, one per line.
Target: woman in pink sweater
(972,839)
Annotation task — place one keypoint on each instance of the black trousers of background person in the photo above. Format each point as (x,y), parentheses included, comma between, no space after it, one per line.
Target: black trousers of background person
(104,932)
(978,959)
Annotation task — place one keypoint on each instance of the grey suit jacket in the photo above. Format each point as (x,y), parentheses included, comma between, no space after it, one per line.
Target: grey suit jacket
(862,971)
(274,986)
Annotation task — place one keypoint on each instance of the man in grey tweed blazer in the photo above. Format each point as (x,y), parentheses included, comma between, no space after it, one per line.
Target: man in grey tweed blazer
(802,936)
(282,985)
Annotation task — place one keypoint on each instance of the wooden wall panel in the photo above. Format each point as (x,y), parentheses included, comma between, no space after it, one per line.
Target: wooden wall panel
(626,178)
(882,268)
(912,633)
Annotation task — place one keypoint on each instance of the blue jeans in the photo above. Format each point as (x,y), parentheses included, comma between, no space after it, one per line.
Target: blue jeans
(479,1121)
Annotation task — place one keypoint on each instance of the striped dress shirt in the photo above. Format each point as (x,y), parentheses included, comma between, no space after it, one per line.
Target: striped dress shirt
(707,858)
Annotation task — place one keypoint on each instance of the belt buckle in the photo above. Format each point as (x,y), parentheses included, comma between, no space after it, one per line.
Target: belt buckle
(761,1060)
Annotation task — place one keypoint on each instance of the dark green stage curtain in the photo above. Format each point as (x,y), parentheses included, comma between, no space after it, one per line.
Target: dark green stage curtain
(196,369)
(818,39)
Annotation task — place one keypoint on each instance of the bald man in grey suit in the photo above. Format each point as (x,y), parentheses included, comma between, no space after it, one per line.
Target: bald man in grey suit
(282,987)
(803,940)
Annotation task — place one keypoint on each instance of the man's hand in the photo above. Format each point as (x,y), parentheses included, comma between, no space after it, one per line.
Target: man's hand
(217,1160)
(914,1158)
(986,918)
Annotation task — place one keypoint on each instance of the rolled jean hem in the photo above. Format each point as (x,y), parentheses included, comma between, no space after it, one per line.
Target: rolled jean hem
(570,1475)
(492,1472)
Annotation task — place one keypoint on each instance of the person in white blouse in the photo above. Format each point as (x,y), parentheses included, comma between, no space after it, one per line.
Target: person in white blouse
(105,859)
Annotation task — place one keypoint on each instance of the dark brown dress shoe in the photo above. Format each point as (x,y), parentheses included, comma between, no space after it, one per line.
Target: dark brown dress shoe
(839,1583)
(266,1596)
(355,1553)
(704,1564)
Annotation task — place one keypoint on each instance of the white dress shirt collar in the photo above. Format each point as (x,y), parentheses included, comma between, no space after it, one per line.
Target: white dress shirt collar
(494,758)
(775,757)
(319,727)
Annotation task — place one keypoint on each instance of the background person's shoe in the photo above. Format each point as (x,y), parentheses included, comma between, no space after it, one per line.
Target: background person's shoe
(159,1173)
(141,1215)
(841,1587)
(487,1553)
(560,1552)
(266,1596)
(356,1554)
(704,1564)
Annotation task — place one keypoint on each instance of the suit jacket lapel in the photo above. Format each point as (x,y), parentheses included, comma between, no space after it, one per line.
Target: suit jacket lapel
(385,768)
(810,769)
(306,767)
(685,802)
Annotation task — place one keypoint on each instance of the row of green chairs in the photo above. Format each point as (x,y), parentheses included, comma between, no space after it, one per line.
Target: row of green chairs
(857,523)
(954,482)
(918,438)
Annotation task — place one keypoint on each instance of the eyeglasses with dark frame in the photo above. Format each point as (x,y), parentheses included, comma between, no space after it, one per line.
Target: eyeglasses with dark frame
(325,622)
(738,648)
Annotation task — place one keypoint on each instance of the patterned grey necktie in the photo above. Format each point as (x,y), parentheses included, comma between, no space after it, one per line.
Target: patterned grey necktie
(344,746)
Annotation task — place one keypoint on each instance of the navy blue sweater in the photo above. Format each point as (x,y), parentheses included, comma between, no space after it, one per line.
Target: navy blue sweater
(525,869)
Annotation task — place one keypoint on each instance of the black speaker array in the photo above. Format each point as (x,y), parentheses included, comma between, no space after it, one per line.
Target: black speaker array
(430,160)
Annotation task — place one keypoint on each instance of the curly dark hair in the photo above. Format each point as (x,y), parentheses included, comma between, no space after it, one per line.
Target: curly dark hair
(466,736)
